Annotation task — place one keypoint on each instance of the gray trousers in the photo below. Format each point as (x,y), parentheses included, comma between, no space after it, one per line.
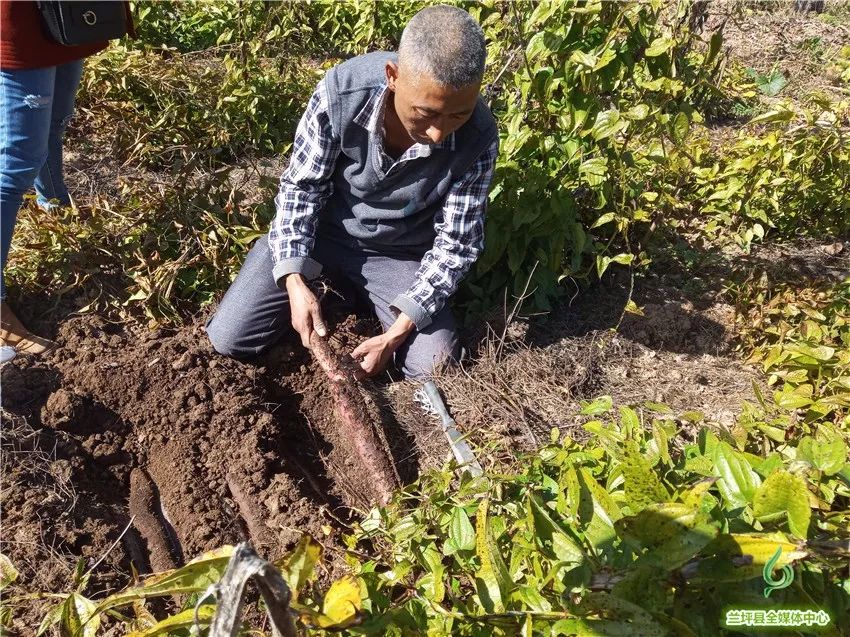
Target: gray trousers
(254,312)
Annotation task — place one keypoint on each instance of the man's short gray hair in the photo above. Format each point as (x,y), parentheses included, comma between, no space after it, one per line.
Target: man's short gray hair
(445,43)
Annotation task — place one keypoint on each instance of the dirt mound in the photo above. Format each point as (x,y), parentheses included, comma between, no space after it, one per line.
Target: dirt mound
(120,424)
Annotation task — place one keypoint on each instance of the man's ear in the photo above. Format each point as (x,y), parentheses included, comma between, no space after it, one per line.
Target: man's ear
(392,74)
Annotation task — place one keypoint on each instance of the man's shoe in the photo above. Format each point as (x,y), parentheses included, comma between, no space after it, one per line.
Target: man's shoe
(13,334)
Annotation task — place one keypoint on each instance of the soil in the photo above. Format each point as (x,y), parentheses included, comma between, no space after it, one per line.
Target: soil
(153,439)
(802,46)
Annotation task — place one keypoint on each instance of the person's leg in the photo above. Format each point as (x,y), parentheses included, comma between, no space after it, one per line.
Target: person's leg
(384,278)
(254,311)
(26,98)
(50,185)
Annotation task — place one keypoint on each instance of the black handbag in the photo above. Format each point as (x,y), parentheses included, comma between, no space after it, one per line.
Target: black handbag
(73,23)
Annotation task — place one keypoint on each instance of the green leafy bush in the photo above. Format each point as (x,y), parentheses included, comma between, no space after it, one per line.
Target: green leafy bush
(642,534)
(164,109)
(787,173)
(593,104)
(800,336)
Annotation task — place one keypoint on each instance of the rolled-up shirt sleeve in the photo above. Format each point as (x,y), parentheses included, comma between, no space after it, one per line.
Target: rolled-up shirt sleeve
(305,186)
(459,241)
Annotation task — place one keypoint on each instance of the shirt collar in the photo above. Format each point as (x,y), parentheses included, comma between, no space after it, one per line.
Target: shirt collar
(371,117)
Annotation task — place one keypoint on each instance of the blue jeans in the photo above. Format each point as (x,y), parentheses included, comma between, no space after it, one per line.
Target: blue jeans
(35,106)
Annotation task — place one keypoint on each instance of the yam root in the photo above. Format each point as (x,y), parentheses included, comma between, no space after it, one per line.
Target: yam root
(354,420)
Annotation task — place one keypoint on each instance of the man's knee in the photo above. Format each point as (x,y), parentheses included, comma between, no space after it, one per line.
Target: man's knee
(225,339)
(429,351)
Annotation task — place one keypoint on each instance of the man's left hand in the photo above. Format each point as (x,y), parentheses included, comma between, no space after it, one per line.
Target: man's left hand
(373,354)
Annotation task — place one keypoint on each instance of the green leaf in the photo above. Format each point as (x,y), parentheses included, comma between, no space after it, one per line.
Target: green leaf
(738,482)
(432,582)
(794,398)
(194,577)
(598,406)
(461,533)
(661,441)
(771,85)
(301,564)
(656,524)
(640,621)
(784,493)
(550,535)
(597,510)
(827,456)
(80,617)
(594,171)
(638,112)
(683,546)
(182,620)
(608,123)
(531,597)
(659,46)
(586,60)
(681,126)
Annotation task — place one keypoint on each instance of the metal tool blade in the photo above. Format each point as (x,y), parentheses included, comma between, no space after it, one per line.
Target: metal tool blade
(461,450)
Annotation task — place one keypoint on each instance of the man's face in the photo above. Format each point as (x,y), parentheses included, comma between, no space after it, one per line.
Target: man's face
(429,111)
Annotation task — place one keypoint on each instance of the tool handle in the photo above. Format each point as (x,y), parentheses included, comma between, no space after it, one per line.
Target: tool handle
(437,402)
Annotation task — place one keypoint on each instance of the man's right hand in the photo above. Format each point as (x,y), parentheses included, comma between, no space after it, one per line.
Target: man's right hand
(304,306)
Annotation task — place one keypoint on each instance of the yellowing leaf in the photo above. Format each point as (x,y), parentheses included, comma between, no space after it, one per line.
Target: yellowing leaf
(659,46)
(342,601)
(784,493)
(643,487)
(491,580)
(80,617)
(183,619)
(8,572)
(301,563)
(742,556)
(194,577)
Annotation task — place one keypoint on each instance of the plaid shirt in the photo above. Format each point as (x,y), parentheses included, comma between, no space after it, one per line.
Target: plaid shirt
(306,185)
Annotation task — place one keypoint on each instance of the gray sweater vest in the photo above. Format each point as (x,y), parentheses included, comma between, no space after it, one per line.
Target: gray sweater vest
(392,213)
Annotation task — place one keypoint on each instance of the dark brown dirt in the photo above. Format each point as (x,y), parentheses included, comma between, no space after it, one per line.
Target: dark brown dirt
(199,450)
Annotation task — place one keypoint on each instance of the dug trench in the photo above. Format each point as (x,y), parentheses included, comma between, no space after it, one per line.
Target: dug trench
(154,443)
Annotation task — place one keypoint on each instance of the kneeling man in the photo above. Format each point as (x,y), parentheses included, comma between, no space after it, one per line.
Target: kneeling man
(385,195)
